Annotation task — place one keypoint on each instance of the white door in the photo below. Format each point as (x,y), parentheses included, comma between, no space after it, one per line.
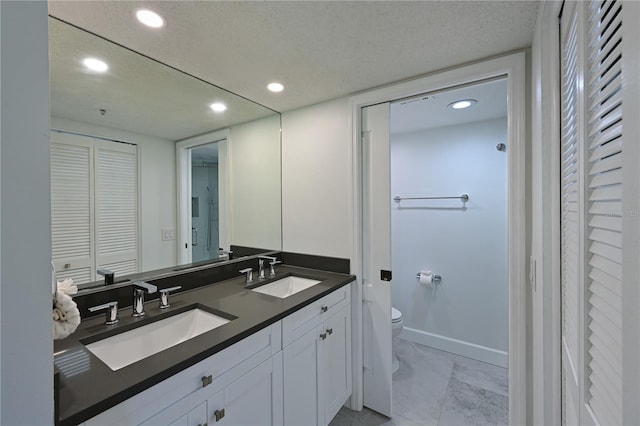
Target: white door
(116,207)
(376,309)
(72,207)
(599,325)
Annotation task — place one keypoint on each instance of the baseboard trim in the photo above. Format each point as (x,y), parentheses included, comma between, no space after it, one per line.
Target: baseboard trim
(459,347)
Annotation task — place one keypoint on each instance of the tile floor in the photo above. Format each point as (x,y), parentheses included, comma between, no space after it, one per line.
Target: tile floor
(433,387)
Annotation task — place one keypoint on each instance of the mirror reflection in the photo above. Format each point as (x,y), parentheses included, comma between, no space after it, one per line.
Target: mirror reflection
(151,167)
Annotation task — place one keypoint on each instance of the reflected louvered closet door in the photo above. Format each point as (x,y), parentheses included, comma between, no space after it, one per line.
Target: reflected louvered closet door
(116,207)
(72,246)
(592,217)
(572,217)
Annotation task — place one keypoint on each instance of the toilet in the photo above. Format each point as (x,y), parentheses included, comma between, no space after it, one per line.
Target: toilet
(396,328)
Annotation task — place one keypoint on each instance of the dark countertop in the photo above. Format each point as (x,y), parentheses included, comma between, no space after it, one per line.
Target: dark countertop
(89,387)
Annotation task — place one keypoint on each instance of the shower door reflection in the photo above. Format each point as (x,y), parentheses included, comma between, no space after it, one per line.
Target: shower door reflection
(204,202)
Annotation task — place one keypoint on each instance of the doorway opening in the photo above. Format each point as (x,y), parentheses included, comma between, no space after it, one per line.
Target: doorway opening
(376,220)
(203,209)
(449,255)
(204,203)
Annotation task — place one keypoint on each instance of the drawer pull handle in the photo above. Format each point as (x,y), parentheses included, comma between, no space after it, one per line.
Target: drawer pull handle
(206,381)
(323,336)
(219,414)
(329,330)
(324,309)
(202,424)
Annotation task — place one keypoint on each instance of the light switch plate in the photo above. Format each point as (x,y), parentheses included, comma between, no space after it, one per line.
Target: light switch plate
(168,234)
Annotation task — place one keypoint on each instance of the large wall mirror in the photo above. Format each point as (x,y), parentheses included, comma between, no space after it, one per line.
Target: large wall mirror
(145,174)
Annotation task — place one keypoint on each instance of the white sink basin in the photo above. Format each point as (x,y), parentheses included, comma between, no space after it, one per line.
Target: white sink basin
(285,287)
(126,348)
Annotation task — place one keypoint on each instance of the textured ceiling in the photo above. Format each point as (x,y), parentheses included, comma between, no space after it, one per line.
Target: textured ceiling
(318,49)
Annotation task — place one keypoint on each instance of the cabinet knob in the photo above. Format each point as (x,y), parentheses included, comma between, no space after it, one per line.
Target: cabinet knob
(219,414)
(206,381)
(202,424)
(324,309)
(329,330)
(323,336)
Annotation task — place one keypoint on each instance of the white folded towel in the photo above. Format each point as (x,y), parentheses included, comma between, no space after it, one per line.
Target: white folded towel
(66,286)
(66,316)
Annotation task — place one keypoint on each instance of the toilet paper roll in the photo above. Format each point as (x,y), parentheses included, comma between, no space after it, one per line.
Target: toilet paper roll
(426,278)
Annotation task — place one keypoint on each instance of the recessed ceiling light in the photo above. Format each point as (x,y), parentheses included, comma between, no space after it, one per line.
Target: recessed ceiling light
(218,107)
(275,87)
(96,65)
(150,18)
(462,104)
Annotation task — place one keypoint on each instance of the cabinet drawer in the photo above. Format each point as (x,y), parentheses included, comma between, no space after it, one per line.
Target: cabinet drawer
(259,346)
(305,319)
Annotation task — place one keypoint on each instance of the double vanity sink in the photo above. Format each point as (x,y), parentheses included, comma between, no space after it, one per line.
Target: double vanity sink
(104,365)
(128,347)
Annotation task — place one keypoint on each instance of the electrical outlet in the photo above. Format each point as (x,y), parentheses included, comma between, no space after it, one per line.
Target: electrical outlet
(168,234)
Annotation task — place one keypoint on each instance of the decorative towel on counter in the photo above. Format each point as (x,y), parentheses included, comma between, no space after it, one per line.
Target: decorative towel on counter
(66,316)
(67,287)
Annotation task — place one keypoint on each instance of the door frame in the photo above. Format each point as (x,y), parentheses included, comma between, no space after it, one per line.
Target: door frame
(183,188)
(545,203)
(513,66)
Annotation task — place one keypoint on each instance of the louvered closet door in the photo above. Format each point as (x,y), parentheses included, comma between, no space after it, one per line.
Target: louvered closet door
(571,215)
(592,213)
(603,298)
(72,207)
(116,208)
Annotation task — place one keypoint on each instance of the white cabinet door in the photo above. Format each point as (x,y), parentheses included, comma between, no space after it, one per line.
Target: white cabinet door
(317,371)
(301,380)
(336,362)
(255,399)
(183,413)
(196,417)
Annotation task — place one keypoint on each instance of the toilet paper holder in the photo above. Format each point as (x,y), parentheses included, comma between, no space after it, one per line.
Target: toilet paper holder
(436,278)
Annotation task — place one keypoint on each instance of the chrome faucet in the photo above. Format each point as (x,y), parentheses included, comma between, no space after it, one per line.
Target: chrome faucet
(139,287)
(248,279)
(108,275)
(222,253)
(272,262)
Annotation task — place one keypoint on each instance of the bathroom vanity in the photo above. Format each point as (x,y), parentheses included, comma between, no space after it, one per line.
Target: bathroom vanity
(274,360)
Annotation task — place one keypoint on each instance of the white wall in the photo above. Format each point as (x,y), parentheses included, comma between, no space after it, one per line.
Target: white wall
(157,188)
(26,380)
(254,150)
(316,180)
(468,247)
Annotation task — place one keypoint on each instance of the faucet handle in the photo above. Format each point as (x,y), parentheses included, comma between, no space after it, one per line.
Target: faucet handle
(272,266)
(164,296)
(249,272)
(111,316)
